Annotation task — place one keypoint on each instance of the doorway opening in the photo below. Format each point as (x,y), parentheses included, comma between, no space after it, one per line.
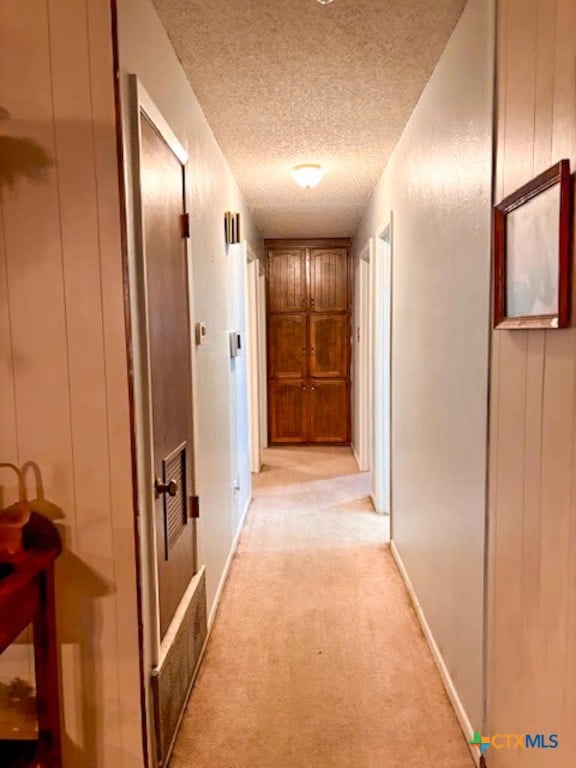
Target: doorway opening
(256,353)
(381,279)
(362,361)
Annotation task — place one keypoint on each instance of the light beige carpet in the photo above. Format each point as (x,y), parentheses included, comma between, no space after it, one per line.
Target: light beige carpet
(316,659)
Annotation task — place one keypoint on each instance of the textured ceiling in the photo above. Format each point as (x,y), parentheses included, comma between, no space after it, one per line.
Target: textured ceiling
(284,82)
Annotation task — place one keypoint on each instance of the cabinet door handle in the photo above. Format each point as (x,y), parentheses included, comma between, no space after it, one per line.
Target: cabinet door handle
(303,387)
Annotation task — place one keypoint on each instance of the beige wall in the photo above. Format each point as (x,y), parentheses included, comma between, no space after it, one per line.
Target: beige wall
(63,373)
(532,660)
(438,185)
(145,50)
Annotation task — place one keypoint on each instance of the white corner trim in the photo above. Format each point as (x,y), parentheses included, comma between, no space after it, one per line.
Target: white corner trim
(225,572)
(356,457)
(457,705)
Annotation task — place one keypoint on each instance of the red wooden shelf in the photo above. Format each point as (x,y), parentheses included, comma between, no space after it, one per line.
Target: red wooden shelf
(27,597)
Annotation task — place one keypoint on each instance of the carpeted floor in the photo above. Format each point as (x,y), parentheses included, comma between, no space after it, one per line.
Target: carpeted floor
(316,659)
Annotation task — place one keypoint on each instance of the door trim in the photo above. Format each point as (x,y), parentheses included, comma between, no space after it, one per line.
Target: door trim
(361,363)
(253,345)
(381,273)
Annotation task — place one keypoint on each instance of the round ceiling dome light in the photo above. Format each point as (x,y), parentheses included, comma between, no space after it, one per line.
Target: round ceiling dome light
(307,175)
(325,2)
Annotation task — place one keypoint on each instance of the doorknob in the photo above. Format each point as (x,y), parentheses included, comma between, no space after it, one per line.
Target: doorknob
(160,488)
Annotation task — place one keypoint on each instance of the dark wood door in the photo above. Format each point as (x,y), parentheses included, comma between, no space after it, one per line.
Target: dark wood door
(328,279)
(308,343)
(167,310)
(287,285)
(327,402)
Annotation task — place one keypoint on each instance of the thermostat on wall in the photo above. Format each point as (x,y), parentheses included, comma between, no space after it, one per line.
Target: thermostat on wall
(200,334)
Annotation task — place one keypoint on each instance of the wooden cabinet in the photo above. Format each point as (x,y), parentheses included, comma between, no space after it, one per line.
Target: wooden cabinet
(287,346)
(327,402)
(328,291)
(308,341)
(329,343)
(287,284)
(287,411)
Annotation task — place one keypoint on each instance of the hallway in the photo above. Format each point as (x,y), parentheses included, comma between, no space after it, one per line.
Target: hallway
(316,658)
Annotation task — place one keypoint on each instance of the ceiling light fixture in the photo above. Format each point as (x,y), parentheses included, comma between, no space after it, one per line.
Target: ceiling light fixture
(307,175)
(325,2)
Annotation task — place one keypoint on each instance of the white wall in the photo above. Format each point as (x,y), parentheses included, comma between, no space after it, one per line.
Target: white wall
(239,396)
(438,185)
(145,50)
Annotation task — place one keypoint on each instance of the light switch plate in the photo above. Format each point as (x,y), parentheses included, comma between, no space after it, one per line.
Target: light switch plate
(235,343)
(200,334)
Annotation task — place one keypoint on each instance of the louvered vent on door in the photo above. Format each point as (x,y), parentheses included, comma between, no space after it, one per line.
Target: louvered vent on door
(175,512)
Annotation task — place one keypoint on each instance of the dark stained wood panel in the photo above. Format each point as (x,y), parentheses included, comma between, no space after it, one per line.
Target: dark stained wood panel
(328,411)
(329,344)
(308,341)
(287,346)
(328,279)
(288,422)
(287,281)
(162,186)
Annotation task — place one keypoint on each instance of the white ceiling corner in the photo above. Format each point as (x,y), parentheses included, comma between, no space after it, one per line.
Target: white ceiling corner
(284,82)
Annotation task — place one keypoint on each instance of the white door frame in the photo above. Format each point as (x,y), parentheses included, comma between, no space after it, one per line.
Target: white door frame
(381,273)
(362,382)
(262,356)
(252,352)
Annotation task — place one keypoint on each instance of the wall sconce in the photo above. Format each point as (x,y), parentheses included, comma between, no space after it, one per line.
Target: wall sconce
(231,228)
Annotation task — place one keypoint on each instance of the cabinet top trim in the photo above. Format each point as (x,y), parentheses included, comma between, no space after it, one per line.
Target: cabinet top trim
(320,242)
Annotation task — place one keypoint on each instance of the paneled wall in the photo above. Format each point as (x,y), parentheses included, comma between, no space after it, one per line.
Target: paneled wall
(532,618)
(63,372)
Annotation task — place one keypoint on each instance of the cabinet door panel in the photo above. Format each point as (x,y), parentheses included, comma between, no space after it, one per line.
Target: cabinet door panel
(328,279)
(328,346)
(287,346)
(328,409)
(287,281)
(287,411)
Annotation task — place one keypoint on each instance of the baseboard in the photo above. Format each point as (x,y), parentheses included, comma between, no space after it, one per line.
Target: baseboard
(373,500)
(224,577)
(356,457)
(457,705)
